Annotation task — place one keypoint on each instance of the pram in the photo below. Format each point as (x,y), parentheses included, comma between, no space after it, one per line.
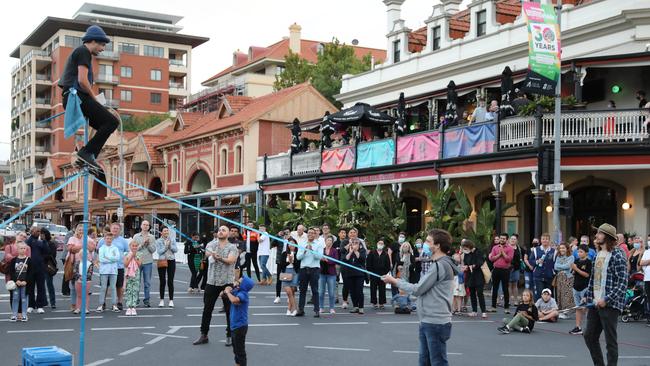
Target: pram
(635,300)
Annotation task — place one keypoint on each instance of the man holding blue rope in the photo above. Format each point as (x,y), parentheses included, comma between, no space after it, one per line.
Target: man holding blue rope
(78,75)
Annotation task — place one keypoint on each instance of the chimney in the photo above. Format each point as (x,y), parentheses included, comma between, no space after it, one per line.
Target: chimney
(393,13)
(294,38)
(450,6)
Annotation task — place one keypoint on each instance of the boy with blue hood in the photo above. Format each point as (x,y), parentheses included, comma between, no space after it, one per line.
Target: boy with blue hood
(435,295)
(239,316)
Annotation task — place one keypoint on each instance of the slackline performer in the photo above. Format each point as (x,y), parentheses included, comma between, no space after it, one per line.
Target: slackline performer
(78,78)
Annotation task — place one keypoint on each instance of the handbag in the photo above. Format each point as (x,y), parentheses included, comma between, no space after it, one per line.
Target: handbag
(286,277)
(68,268)
(50,266)
(4,267)
(487,275)
(162,263)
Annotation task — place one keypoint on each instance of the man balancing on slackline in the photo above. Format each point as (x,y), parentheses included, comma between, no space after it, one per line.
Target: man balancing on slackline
(78,75)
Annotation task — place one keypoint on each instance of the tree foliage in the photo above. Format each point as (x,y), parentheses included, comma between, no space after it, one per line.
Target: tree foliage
(141,123)
(297,70)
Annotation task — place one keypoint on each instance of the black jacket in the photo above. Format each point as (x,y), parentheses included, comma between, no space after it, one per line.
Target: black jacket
(477,259)
(359,262)
(13,274)
(378,263)
(282,265)
(39,249)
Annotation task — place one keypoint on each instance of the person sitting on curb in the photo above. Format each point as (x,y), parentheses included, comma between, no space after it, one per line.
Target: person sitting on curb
(547,307)
(525,315)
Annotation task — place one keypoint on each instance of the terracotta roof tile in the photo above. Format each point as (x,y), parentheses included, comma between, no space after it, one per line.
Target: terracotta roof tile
(211,123)
(150,142)
(189,118)
(57,166)
(238,102)
(508,11)
(417,39)
(239,58)
(459,24)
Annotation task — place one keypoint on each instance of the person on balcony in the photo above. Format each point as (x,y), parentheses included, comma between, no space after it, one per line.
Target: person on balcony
(640,96)
(492,112)
(478,115)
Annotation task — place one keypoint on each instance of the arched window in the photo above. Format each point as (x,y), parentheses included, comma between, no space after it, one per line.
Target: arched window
(174,170)
(223,166)
(238,159)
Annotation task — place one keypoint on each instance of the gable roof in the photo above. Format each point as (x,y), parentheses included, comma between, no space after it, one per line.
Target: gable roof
(278,50)
(210,123)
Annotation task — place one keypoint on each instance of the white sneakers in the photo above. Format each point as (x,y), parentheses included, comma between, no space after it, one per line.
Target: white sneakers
(161,304)
(277,300)
(289,312)
(30,310)
(40,311)
(344,305)
(171,303)
(131,312)
(100,309)
(293,313)
(332,311)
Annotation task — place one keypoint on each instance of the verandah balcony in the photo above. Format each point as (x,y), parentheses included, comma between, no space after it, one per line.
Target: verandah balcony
(578,128)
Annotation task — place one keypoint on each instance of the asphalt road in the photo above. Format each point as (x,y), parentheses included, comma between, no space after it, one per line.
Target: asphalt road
(163,336)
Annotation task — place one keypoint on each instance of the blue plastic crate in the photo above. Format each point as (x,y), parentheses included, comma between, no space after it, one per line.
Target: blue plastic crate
(46,356)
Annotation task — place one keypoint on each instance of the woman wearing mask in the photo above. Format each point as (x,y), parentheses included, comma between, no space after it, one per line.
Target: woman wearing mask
(50,262)
(473,259)
(564,279)
(355,255)
(635,255)
(289,267)
(378,262)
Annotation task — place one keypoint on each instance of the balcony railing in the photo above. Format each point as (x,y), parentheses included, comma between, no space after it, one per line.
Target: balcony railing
(41,124)
(15,68)
(42,148)
(43,77)
(28,196)
(29,173)
(174,62)
(176,85)
(109,55)
(108,79)
(577,128)
(43,100)
(26,81)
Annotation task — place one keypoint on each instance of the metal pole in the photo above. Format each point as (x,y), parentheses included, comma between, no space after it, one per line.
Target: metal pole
(122,174)
(84,266)
(558,127)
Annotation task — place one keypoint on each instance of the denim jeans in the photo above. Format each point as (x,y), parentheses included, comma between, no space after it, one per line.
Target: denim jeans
(330,282)
(19,294)
(265,271)
(146,271)
(308,277)
(106,281)
(51,293)
(433,344)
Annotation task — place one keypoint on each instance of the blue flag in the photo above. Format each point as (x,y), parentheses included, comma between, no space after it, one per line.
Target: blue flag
(74,118)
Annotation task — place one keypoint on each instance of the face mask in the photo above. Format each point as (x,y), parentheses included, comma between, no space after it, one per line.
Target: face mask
(426,250)
(419,246)
(466,251)
(401,239)
(380,247)
(637,246)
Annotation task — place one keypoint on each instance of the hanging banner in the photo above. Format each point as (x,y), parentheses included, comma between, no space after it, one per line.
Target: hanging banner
(418,147)
(470,140)
(337,159)
(375,153)
(543,49)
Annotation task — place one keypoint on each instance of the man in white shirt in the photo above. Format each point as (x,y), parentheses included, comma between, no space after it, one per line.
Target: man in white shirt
(263,252)
(300,235)
(326,233)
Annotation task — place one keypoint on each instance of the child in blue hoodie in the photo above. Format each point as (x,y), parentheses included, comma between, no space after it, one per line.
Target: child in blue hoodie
(239,316)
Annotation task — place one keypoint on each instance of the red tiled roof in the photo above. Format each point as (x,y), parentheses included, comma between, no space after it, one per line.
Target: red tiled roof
(57,164)
(508,11)
(150,142)
(189,118)
(238,102)
(459,24)
(240,58)
(418,40)
(308,51)
(211,123)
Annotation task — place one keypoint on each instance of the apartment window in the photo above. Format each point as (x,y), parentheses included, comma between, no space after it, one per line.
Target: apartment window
(238,159)
(131,48)
(109,47)
(125,95)
(72,41)
(156,75)
(481,23)
(106,70)
(154,51)
(126,71)
(174,170)
(223,167)
(156,98)
(436,38)
(396,51)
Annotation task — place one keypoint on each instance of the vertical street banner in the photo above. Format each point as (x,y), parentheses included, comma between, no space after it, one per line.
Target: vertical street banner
(543,49)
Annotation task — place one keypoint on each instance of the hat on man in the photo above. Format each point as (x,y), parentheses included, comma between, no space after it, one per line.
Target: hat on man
(95,33)
(608,230)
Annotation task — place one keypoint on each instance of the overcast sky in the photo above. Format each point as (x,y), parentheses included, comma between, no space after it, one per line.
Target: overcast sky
(230,25)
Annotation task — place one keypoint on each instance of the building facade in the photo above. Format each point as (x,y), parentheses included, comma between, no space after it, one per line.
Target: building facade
(145,69)
(604,164)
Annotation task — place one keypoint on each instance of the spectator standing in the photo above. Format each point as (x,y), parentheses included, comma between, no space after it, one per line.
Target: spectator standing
(641,97)
(109,256)
(479,113)
(280,247)
(309,255)
(11,252)
(378,262)
(581,273)
(543,258)
(644,265)
(355,256)
(635,255)
(194,251)
(166,264)
(622,244)
(264,251)
(515,267)
(501,257)
(21,272)
(146,248)
(290,266)
(564,279)
(239,316)
(327,278)
(584,240)
(473,259)
(132,274)
(251,238)
(50,260)
(36,288)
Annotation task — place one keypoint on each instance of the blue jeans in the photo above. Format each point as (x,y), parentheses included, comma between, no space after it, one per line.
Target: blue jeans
(108,280)
(50,289)
(433,344)
(330,282)
(19,294)
(146,271)
(265,271)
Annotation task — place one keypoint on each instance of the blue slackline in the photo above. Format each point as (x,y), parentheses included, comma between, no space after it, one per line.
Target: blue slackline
(175,230)
(246,227)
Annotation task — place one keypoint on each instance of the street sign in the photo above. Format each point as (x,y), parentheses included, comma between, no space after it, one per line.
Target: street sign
(558,187)
(120,211)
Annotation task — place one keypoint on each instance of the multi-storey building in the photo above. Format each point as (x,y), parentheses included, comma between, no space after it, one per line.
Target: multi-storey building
(145,69)
(604,163)
(253,73)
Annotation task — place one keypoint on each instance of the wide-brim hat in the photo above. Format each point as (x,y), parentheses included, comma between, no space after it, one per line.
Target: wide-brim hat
(608,230)
(95,33)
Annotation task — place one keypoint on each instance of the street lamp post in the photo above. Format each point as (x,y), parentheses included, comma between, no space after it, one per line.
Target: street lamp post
(120,216)
(557,147)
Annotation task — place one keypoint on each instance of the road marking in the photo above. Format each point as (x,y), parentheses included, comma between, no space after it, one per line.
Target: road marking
(132,350)
(256,343)
(100,362)
(472,321)
(339,349)
(404,322)
(123,328)
(165,335)
(146,316)
(341,323)
(156,340)
(39,331)
(72,318)
(633,357)
(534,356)
(416,352)
(250,307)
(213,314)
(274,325)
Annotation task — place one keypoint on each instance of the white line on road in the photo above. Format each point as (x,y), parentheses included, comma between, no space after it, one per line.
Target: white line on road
(156,340)
(165,335)
(416,352)
(250,307)
(39,331)
(213,315)
(147,316)
(472,321)
(341,323)
(403,322)
(633,357)
(72,318)
(274,325)
(534,356)
(339,349)
(100,362)
(128,352)
(123,328)
(256,343)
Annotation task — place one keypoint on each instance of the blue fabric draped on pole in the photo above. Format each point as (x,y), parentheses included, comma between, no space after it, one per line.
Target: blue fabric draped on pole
(469,140)
(74,119)
(375,153)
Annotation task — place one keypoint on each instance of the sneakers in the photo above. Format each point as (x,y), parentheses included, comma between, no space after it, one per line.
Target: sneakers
(492,310)
(563,316)
(203,339)
(134,312)
(289,313)
(30,310)
(76,311)
(354,310)
(24,319)
(332,311)
(116,309)
(360,311)
(12,319)
(161,304)
(504,330)
(507,311)
(381,307)
(171,303)
(277,300)
(345,305)
(120,306)
(128,312)
(525,330)
(100,309)
(316,314)
(40,311)
(375,306)
(576,331)
(299,313)
(228,341)
(294,313)
(484,316)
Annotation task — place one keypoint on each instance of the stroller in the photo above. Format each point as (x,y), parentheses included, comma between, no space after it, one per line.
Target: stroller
(635,300)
